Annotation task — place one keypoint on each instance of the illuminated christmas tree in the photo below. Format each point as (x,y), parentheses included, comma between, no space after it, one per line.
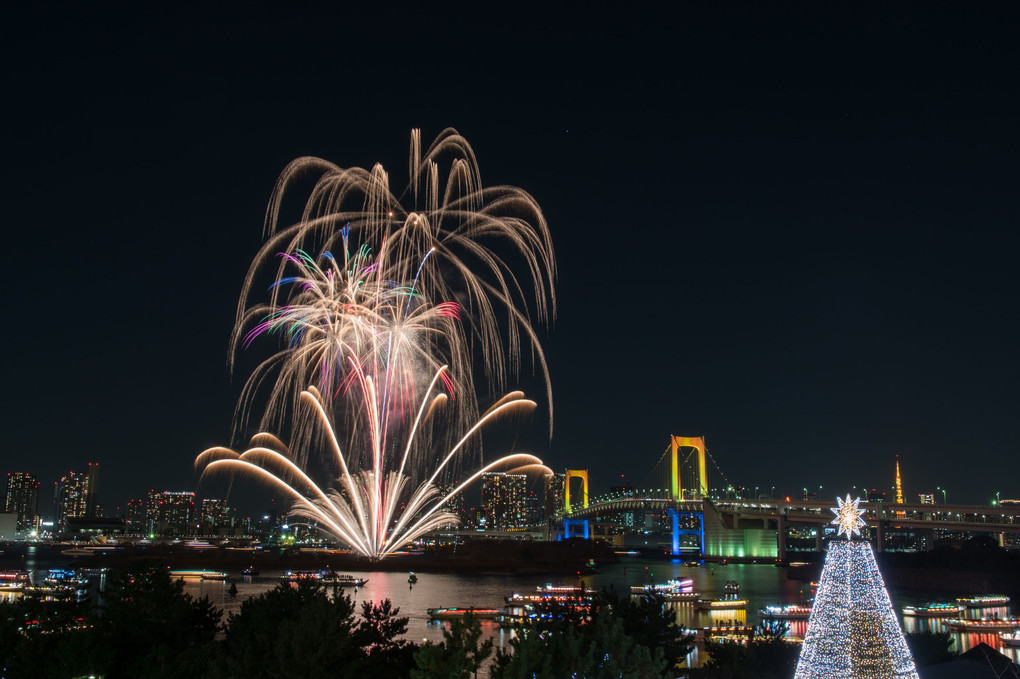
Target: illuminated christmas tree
(853,632)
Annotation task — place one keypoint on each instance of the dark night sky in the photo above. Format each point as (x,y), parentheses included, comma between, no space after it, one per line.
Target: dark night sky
(793,230)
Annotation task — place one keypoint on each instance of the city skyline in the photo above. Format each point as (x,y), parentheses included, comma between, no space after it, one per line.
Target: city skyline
(800,224)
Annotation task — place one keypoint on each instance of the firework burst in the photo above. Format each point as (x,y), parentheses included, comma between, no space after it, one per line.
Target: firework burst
(446,247)
(362,509)
(377,343)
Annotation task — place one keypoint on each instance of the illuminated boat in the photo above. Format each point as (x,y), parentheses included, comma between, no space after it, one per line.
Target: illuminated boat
(1011,639)
(193,574)
(61,577)
(458,613)
(941,610)
(675,586)
(720,604)
(326,577)
(13,581)
(295,576)
(50,592)
(983,625)
(984,601)
(551,594)
(522,618)
(412,578)
(788,612)
(249,571)
(733,632)
(343,579)
(77,551)
(214,575)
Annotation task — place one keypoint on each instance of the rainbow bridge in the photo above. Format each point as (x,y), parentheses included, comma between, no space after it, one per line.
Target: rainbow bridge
(726,526)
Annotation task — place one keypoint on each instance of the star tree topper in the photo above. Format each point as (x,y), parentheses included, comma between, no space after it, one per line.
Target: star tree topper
(848,517)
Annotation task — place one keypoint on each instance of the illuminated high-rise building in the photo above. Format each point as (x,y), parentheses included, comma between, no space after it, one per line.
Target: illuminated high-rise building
(455,504)
(175,512)
(92,507)
(71,495)
(137,521)
(504,500)
(76,495)
(554,496)
(152,509)
(926,498)
(215,513)
(23,499)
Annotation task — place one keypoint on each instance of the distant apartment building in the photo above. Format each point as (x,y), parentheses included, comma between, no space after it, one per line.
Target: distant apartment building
(176,513)
(152,509)
(215,514)
(76,495)
(137,520)
(926,498)
(455,505)
(504,500)
(22,499)
(554,497)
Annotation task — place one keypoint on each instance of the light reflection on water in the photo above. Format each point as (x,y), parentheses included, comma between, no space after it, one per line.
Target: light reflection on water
(762,585)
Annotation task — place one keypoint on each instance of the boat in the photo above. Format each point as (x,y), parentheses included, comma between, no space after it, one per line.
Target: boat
(77,551)
(984,601)
(547,596)
(249,571)
(458,613)
(983,625)
(412,578)
(515,618)
(731,599)
(233,589)
(326,577)
(343,579)
(50,592)
(197,575)
(61,577)
(13,581)
(788,612)
(1011,639)
(214,575)
(675,586)
(295,576)
(741,632)
(934,610)
(93,571)
(720,604)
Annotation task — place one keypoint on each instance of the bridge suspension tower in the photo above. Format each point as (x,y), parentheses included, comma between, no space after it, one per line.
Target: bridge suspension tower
(678,443)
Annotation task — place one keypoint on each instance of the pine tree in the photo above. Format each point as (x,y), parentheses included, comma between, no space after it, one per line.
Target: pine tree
(853,632)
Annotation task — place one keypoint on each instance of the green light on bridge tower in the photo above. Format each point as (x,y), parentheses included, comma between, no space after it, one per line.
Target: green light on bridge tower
(698,443)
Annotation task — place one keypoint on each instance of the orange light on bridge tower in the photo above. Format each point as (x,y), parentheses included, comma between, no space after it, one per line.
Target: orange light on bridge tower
(575,473)
(698,443)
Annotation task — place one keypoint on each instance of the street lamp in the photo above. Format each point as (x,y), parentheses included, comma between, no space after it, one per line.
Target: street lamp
(944,500)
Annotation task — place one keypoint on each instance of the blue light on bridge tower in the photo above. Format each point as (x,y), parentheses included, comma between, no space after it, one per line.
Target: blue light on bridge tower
(677,531)
(567,523)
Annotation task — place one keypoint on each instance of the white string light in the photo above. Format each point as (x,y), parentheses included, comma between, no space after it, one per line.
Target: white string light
(853,632)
